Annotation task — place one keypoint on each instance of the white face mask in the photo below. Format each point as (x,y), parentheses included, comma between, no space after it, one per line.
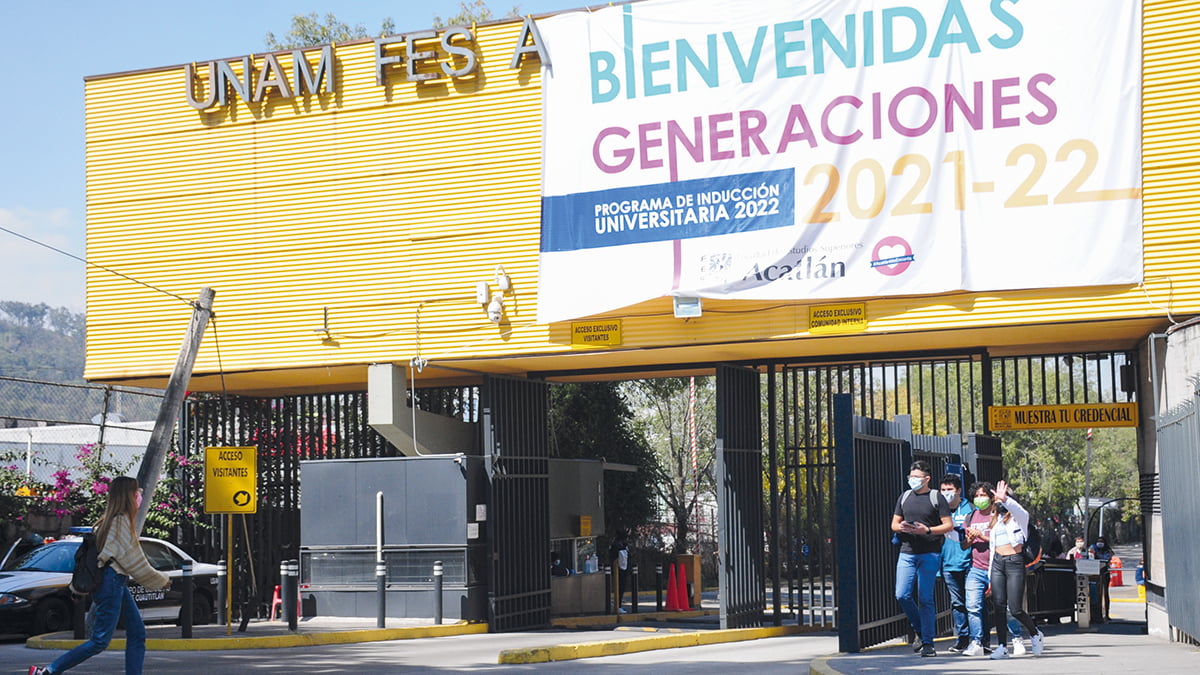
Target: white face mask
(949,494)
(915,483)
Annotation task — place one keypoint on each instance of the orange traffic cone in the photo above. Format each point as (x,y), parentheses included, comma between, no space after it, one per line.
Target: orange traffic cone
(672,591)
(682,594)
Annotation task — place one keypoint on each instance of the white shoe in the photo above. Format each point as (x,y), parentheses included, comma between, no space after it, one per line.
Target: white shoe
(999,653)
(1018,648)
(1038,641)
(973,649)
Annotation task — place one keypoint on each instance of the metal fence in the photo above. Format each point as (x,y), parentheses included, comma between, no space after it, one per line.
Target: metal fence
(43,426)
(1179,473)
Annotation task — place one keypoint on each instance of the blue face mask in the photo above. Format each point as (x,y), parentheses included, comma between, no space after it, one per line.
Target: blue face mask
(915,483)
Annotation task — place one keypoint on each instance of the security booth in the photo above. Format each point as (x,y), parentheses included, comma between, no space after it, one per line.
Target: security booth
(576,518)
(433,510)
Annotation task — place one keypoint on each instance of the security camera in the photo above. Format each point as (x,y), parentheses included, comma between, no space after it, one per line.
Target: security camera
(495,308)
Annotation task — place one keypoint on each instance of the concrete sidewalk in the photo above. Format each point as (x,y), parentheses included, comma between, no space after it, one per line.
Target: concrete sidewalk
(275,634)
(1117,646)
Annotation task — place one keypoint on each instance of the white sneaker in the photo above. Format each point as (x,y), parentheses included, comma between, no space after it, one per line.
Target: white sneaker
(999,653)
(973,649)
(1018,648)
(1038,641)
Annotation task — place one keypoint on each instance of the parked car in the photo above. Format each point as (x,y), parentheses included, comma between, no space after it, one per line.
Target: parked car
(35,598)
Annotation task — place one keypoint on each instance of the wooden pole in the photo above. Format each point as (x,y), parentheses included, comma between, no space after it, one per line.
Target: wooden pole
(168,413)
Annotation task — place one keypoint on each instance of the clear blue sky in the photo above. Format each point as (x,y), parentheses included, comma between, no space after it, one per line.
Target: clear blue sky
(49,46)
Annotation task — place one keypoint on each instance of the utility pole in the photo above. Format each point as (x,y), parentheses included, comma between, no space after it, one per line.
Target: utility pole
(168,413)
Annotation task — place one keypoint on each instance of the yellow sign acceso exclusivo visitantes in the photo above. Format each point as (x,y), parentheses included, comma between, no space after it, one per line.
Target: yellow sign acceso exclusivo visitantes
(231,480)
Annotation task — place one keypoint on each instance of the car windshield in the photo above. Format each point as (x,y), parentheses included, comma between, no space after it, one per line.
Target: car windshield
(55,557)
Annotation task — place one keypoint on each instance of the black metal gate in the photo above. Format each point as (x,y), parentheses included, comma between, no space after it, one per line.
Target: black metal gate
(940,395)
(739,498)
(517,447)
(943,394)
(869,457)
(285,430)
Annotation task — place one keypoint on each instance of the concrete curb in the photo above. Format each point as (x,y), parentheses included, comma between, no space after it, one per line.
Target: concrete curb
(584,650)
(276,641)
(616,619)
(820,666)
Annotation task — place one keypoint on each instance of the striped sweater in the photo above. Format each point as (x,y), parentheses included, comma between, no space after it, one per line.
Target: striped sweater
(122,549)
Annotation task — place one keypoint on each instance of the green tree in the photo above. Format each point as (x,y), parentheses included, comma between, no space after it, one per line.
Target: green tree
(41,343)
(662,408)
(593,421)
(475,11)
(309,30)
(1046,467)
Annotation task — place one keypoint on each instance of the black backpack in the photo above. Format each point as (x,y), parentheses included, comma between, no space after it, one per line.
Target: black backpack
(1032,551)
(87,574)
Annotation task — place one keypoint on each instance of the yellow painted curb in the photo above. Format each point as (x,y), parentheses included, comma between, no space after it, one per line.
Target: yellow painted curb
(585,650)
(278,641)
(820,666)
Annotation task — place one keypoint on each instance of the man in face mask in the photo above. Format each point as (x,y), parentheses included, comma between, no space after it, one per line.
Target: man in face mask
(956,560)
(921,518)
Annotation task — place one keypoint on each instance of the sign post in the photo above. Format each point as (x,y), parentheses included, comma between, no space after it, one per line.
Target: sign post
(230,486)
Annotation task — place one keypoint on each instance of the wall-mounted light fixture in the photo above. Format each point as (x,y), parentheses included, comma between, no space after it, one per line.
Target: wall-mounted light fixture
(687,308)
(502,280)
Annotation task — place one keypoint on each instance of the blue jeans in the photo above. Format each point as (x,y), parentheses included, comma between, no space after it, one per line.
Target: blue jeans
(979,610)
(918,570)
(976,586)
(111,601)
(956,581)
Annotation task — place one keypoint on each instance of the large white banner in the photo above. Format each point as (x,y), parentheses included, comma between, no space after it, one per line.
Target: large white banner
(815,149)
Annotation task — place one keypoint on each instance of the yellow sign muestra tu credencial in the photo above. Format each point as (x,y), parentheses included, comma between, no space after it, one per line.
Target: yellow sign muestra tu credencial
(1078,416)
(231,480)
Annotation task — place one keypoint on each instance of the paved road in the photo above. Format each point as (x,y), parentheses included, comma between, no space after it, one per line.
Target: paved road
(1116,647)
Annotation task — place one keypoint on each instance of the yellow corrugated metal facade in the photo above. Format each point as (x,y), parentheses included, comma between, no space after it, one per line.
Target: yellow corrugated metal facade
(384,206)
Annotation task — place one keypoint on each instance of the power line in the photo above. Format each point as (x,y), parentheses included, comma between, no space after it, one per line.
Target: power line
(85,261)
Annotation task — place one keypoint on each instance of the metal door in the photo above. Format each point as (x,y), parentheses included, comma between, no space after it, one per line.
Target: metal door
(740,532)
(516,442)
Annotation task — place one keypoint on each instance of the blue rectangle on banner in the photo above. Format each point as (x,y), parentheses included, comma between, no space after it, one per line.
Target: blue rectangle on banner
(703,207)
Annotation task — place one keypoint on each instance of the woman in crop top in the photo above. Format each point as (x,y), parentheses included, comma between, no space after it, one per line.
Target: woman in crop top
(1007,527)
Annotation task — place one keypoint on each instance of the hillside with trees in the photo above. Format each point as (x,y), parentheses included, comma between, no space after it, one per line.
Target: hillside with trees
(40,342)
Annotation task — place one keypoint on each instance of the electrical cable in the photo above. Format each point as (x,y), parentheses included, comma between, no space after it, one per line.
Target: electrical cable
(220,366)
(190,303)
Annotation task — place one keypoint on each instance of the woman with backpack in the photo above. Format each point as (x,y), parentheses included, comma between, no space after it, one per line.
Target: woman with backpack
(1007,535)
(121,557)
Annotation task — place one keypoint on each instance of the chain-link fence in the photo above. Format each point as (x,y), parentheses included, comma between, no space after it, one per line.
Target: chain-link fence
(44,426)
